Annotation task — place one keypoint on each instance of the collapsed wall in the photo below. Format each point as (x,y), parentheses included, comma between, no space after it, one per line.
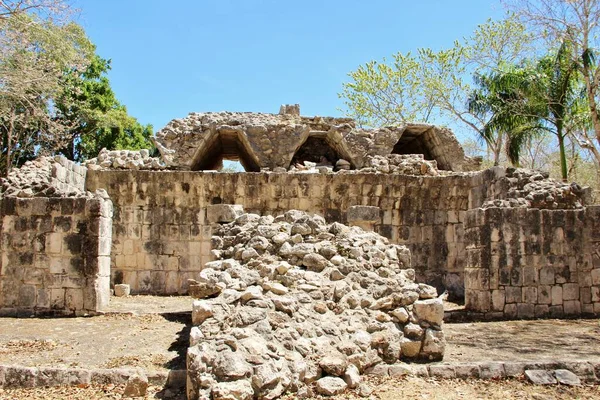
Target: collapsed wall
(263,141)
(55,242)
(291,300)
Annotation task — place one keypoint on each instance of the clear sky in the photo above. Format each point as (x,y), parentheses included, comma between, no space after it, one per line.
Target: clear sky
(170,58)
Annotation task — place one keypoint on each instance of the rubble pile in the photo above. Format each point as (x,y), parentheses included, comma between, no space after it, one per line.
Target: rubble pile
(535,189)
(293,304)
(45,177)
(125,159)
(407,164)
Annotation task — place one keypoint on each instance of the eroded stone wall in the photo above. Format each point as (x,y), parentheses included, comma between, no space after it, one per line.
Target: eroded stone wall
(161,238)
(55,255)
(526,263)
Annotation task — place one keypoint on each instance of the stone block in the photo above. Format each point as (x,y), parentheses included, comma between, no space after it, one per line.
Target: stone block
(541,310)
(442,371)
(544,295)
(467,371)
(491,370)
(54,242)
(223,213)
(572,307)
(525,310)
(122,290)
(557,295)
(20,377)
(595,293)
(477,300)
(530,295)
(514,369)
(585,295)
(27,296)
(570,291)
(513,294)
(368,214)
(510,310)
(595,276)
(498,300)
(547,276)
(74,299)
(540,377)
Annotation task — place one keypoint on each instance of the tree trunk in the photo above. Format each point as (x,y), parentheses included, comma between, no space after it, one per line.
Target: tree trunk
(563,155)
(9,135)
(498,149)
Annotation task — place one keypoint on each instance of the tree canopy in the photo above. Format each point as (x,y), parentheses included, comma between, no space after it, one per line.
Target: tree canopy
(54,93)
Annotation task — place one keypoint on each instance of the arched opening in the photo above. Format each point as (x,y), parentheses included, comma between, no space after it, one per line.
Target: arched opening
(225,153)
(422,141)
(412,145)
(317,150)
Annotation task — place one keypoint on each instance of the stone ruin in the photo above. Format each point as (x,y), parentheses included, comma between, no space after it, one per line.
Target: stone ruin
(322,261)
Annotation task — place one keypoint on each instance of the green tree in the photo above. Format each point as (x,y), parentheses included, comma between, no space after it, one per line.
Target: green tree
(34,53)
(89,106)
(501,99)
(578,23)
(434,83)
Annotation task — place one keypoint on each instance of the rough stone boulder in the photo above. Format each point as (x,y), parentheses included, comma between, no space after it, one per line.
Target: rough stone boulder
(534,189)
(125,159)
(46,177)
(303,302)
(406,164)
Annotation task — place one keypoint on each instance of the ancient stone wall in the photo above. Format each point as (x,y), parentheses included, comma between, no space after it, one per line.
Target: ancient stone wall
(526,263)
(55,255)
(161,238)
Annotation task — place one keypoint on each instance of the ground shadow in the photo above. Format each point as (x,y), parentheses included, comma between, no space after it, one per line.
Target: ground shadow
(182,342)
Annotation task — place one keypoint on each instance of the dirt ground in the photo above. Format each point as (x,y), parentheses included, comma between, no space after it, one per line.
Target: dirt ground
(152,332)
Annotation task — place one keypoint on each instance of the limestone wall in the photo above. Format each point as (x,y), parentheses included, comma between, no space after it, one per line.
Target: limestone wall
(161,239)
(55,255)
(525,263)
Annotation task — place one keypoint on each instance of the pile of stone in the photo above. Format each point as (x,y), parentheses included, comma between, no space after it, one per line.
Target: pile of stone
(293,304)
(46,177)
(125,159)
(406,164)
(535,189)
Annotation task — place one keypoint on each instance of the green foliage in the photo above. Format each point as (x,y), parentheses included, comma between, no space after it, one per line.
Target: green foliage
(33,55)
(54,93)
(435,83)
(88,104)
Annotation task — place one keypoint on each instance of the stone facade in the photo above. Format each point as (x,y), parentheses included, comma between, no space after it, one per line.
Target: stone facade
(55,255)
(56,241)
(526,263)
(161,231)
(268,141)
(161,237)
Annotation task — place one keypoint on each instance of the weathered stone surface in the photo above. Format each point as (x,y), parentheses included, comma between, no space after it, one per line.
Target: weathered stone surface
(363,214)
(125,159)
(137,385)
(330,386)
(273,141)
(540,377)
(430,311)
(566,377)
(223,213)
(295,310)
(236,390)
(122,290)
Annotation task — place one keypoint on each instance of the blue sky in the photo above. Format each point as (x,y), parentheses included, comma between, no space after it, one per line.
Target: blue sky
(173,58)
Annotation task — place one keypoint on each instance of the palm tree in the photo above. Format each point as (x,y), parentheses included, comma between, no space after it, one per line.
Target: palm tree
(500,99)
(531,100)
